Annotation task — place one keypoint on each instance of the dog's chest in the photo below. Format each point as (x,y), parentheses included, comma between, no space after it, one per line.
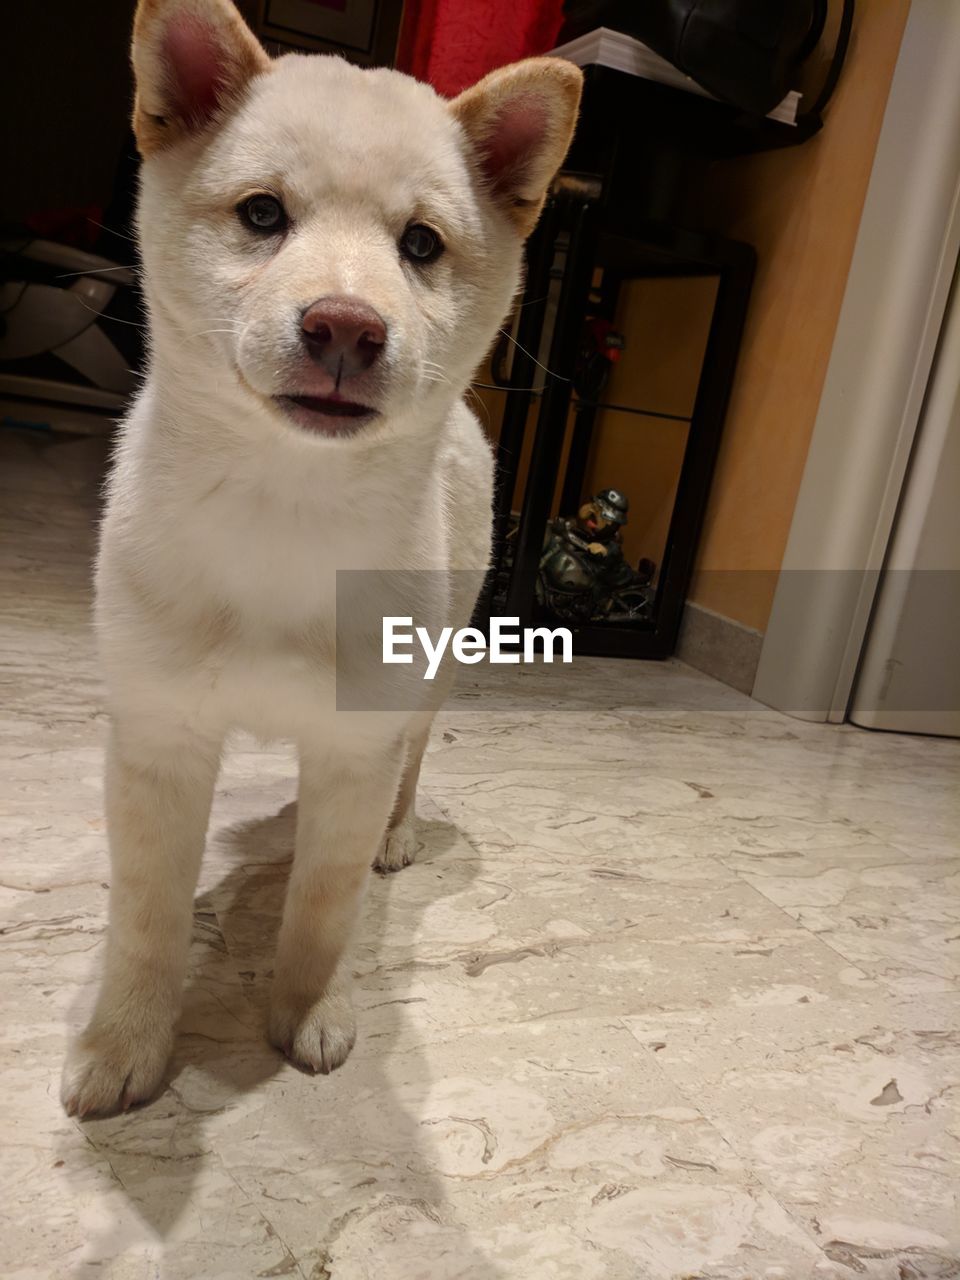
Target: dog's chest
(275,564)
(276,597)
(271,689)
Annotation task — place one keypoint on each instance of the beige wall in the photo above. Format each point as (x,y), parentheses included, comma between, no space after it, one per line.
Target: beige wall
(801,209)
(666,324)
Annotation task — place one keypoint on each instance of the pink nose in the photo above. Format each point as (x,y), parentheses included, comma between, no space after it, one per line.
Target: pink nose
(343,335)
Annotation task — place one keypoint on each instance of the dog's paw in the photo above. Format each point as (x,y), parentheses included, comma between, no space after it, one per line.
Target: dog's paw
(318,1037)
(399,847)
(107,1071)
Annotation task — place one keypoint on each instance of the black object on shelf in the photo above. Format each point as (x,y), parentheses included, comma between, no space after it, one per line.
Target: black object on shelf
(653,146)
(748,53)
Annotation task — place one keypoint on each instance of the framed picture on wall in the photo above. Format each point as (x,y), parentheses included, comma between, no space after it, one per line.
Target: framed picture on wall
(364,31)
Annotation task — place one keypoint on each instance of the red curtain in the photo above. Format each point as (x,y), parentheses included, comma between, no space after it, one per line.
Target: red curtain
(452,43)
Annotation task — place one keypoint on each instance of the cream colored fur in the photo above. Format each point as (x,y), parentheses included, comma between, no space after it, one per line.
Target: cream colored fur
(226,522)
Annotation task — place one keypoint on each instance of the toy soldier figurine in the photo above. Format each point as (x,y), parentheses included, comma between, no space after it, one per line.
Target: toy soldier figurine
(583,573)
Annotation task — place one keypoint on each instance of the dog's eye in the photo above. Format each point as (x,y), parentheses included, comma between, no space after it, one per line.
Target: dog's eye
(420,244)
(263,213)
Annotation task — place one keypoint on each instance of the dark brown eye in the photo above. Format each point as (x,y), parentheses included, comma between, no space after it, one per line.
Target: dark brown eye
(420,244)
(263,213)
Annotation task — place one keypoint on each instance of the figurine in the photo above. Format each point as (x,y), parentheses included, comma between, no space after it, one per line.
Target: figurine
(583,573)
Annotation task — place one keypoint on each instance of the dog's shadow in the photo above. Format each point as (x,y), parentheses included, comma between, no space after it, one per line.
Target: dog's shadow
(165,1155)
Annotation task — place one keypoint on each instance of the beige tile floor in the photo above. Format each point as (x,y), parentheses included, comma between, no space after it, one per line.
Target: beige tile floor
(672,991)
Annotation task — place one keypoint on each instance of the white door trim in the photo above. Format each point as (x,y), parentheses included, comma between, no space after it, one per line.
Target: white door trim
(887,332)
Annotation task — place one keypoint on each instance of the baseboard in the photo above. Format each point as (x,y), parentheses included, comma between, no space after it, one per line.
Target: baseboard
(719,646)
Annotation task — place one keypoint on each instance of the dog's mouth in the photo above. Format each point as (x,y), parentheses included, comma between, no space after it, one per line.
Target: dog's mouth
(327,415)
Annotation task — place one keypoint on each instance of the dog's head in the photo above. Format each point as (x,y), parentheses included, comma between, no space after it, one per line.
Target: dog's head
(343,243)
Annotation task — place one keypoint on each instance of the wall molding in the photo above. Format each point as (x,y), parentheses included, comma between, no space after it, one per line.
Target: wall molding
(719,646)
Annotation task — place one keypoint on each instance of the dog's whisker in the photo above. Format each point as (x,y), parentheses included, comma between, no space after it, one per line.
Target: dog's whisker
(495,386)
(479,403)
(510,338)
(433,372)
(94,271)
(111,230)
(134,324)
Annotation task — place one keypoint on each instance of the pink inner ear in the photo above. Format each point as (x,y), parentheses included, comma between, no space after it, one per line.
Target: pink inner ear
(516,136)
(196,62)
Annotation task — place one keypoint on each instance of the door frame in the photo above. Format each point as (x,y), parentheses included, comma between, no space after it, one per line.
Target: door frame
(893,309)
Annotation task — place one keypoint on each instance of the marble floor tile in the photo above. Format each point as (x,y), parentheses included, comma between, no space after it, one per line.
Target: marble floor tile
(845,1110)
(894,914)
(671,992)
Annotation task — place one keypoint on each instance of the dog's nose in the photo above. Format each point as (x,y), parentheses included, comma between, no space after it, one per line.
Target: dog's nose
(343,335)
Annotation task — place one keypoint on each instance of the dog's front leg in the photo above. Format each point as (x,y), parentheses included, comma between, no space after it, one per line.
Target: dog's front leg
(343,809)
(158,799)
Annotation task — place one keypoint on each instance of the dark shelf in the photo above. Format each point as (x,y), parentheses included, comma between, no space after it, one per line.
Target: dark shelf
(587,234)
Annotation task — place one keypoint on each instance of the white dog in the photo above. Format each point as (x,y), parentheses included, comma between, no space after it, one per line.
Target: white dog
(327,253)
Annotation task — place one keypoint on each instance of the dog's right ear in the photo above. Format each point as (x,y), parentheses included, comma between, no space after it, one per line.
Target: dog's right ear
(191,58)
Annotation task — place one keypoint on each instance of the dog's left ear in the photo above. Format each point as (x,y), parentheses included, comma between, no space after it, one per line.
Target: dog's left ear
(191,59)
(519,121)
